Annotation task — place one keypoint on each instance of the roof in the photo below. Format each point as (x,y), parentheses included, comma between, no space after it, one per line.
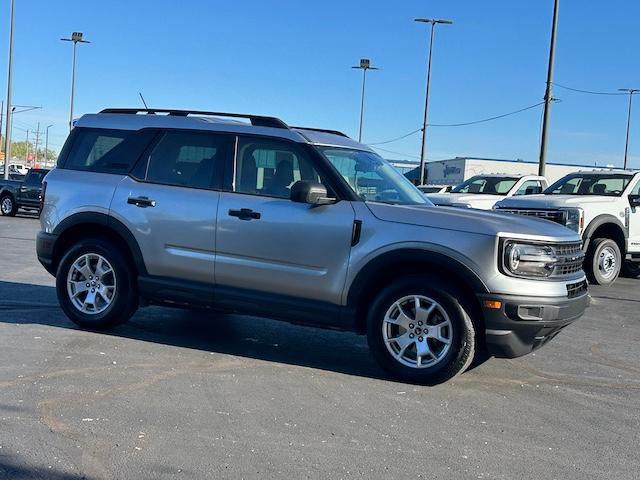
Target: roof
(132,119)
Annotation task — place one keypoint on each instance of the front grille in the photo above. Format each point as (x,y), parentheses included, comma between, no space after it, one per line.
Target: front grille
(570,258)
(557,216)
(576,289)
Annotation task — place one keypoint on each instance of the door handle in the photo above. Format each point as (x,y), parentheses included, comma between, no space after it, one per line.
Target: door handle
(142,202)
(245,214)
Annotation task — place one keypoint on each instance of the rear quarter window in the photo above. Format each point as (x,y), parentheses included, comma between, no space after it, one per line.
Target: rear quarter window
(103,150)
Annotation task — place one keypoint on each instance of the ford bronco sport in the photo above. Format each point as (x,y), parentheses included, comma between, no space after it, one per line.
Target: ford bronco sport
(203,210)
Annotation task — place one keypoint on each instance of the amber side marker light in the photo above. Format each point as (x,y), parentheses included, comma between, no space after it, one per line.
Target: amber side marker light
(493,304)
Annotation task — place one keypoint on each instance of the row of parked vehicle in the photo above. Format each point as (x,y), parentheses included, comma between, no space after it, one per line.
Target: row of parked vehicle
(602,206)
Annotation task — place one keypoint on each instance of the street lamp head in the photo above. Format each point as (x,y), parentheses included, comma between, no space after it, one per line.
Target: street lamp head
(76,37)
(433,21)
(629,90)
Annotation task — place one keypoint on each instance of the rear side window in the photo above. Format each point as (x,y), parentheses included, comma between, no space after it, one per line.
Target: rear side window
(96,150)
(188,159)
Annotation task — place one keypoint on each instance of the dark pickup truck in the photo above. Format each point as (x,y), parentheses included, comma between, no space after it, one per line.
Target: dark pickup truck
(15,194)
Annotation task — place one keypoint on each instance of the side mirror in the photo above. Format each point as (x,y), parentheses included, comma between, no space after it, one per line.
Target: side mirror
(634,201)
(312,193)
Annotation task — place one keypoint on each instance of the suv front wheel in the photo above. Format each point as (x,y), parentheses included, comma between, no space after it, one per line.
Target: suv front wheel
(95,285)
(420,332)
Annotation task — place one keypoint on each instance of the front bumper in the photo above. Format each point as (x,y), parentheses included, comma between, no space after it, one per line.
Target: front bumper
(523,324)
(44,249)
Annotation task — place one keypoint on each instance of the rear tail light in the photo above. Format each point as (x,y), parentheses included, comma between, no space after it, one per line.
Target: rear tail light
(42,194)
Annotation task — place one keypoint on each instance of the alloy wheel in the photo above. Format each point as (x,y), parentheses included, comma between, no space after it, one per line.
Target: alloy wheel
(91,284)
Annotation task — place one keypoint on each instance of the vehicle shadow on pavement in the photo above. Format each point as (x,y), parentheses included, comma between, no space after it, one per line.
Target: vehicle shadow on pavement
(239,335)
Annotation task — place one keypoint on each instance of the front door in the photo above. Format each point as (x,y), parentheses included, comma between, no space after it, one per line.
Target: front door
(171,208)
(634,222)
(266,242)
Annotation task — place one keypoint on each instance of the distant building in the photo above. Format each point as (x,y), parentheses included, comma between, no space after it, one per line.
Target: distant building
(457,170)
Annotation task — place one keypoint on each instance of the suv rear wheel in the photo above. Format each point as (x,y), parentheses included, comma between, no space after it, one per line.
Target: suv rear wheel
(419,332)
(8,206)
(604,261)
(95,285)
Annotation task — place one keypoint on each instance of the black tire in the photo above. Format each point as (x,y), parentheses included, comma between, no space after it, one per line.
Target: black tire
(125,299)
(463,336)
(8,206)
(631,269)
(597,272)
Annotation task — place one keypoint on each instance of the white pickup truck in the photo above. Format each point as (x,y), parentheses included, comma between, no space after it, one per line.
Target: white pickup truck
(483,191)
(603,206)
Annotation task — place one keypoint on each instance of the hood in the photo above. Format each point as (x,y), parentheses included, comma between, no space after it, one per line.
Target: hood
(476,200)
(553,201)
(469,220)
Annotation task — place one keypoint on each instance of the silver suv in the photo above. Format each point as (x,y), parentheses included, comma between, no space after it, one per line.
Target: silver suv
(203,210)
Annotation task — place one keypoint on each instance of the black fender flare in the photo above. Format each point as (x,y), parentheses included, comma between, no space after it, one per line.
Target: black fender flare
(598,222)
(394,257)
(96,218)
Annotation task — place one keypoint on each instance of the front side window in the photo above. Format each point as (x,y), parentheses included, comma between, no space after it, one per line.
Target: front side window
(610,184)
(487,185)
(529,187)
(188,159)
(372,178)
(270,167)
(34,178)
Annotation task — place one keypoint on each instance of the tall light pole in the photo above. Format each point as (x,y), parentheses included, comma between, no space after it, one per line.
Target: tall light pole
(46,145)
(631,92)
(7,134)
(76,37)
(548,94)
(423,150)
(365,64)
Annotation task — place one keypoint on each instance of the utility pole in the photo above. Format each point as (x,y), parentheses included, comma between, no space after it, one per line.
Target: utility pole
(76,37)
(548,95)
(423,150)
(631,92)
(1,118)
(7,135)
(46,146)
(365,64)
(37,141)
(26,151)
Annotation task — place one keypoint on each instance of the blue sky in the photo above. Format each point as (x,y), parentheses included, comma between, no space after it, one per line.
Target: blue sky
(292,59)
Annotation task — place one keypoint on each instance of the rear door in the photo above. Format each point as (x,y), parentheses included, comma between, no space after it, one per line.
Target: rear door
(634,221)
(170,200)
(266,242)
(30,188)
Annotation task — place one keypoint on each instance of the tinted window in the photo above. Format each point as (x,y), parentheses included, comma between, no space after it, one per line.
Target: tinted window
(529,187)
(486,185)
(636,189)
(34,178)
(269,167)
(188,159)
(590,184)
(95,150)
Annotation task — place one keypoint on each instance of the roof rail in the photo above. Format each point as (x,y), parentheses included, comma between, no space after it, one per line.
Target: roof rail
(256,120)
(324,130)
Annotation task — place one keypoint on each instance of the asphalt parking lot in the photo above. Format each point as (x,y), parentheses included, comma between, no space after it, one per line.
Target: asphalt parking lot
(178,395)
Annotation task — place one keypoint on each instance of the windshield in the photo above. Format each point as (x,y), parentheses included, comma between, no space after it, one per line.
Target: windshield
(487,185)
(608,184)
(372,178)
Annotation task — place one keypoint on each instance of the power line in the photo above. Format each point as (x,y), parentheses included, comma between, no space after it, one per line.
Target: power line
(398,153)
(486,119)
(590,92)
(398,138)
(457,124)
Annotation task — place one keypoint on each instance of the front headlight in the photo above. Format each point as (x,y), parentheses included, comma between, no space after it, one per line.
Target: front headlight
(528,260)
(573,219)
